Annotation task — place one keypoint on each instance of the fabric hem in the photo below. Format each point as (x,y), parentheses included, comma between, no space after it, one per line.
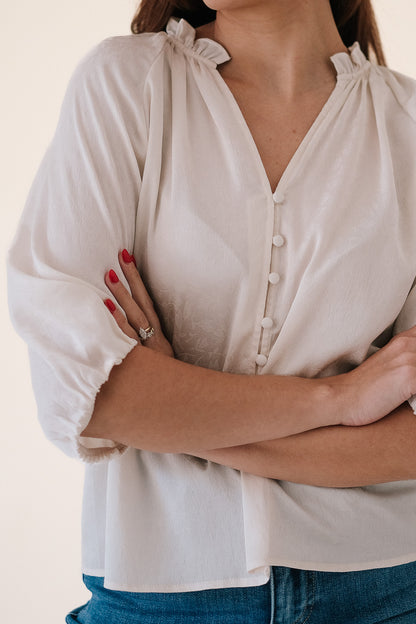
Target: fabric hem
(260,575)
(93,455)
(412,402)
(336,567)
(252,581)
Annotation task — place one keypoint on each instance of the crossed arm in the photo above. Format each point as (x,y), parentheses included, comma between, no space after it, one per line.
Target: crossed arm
(350,430)
(333,456)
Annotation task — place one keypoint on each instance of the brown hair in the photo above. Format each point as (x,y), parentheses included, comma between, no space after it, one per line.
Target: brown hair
(355,20)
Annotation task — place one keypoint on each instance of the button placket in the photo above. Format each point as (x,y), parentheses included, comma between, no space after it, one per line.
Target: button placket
(274,277)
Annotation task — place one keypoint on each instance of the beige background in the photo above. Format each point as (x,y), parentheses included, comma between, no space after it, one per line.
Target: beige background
(41,488)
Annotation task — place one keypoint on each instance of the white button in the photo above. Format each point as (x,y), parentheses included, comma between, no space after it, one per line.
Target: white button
(274,278)
(278,198)
(267,322)
(278,240)
(261,359)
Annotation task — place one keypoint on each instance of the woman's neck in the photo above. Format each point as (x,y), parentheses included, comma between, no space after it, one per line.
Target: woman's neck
(279,45)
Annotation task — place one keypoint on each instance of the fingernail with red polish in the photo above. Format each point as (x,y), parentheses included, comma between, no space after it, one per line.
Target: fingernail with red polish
(110,305)
(113,276)
(133,259)
(126,256)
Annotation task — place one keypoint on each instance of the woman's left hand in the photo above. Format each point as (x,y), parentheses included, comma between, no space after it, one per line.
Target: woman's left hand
(138,306)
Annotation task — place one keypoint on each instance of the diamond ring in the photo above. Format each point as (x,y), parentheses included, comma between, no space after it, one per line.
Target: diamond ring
(146,333)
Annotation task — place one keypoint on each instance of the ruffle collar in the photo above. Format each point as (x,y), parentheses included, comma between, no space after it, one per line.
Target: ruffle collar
(352,62)
(184,34)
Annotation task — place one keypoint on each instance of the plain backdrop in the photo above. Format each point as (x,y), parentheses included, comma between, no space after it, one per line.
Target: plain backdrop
(40,44)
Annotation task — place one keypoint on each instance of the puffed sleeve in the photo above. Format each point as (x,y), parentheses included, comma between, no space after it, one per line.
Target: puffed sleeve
(80,212)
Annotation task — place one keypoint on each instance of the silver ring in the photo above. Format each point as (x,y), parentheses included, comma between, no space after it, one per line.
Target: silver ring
(146,333)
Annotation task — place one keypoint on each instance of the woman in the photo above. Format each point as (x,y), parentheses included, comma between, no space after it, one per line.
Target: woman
(259,167)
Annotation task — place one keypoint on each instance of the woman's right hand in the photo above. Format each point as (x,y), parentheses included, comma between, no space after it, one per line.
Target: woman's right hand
(139,311)
(381,383)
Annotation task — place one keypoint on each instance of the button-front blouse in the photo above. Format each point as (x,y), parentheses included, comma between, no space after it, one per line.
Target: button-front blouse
(152,153)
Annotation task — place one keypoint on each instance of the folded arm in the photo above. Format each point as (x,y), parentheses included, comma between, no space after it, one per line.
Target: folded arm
(184,407)
(335,456)
(153,402)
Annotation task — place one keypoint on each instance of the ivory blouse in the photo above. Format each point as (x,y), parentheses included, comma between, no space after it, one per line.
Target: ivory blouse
(152,153)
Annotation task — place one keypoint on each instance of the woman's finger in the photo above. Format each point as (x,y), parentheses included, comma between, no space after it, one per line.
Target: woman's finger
(121,320)
(135,315)
(137,287)
(138,306)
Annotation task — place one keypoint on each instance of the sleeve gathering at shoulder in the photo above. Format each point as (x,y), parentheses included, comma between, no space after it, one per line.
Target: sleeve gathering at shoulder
(403,89)
(79,213)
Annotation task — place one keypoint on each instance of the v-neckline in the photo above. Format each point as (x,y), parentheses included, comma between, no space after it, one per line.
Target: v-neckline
(347,65)
(300,150)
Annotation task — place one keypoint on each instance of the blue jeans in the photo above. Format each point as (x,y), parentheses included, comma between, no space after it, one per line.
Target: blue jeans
(381,596)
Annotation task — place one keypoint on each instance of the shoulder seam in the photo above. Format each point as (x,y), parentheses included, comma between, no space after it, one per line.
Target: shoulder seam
(162,49)
(100,49)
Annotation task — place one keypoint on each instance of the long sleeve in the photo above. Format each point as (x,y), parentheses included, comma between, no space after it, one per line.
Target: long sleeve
(80,211)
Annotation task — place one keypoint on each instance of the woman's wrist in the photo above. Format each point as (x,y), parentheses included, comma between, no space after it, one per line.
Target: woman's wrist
(329,401)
